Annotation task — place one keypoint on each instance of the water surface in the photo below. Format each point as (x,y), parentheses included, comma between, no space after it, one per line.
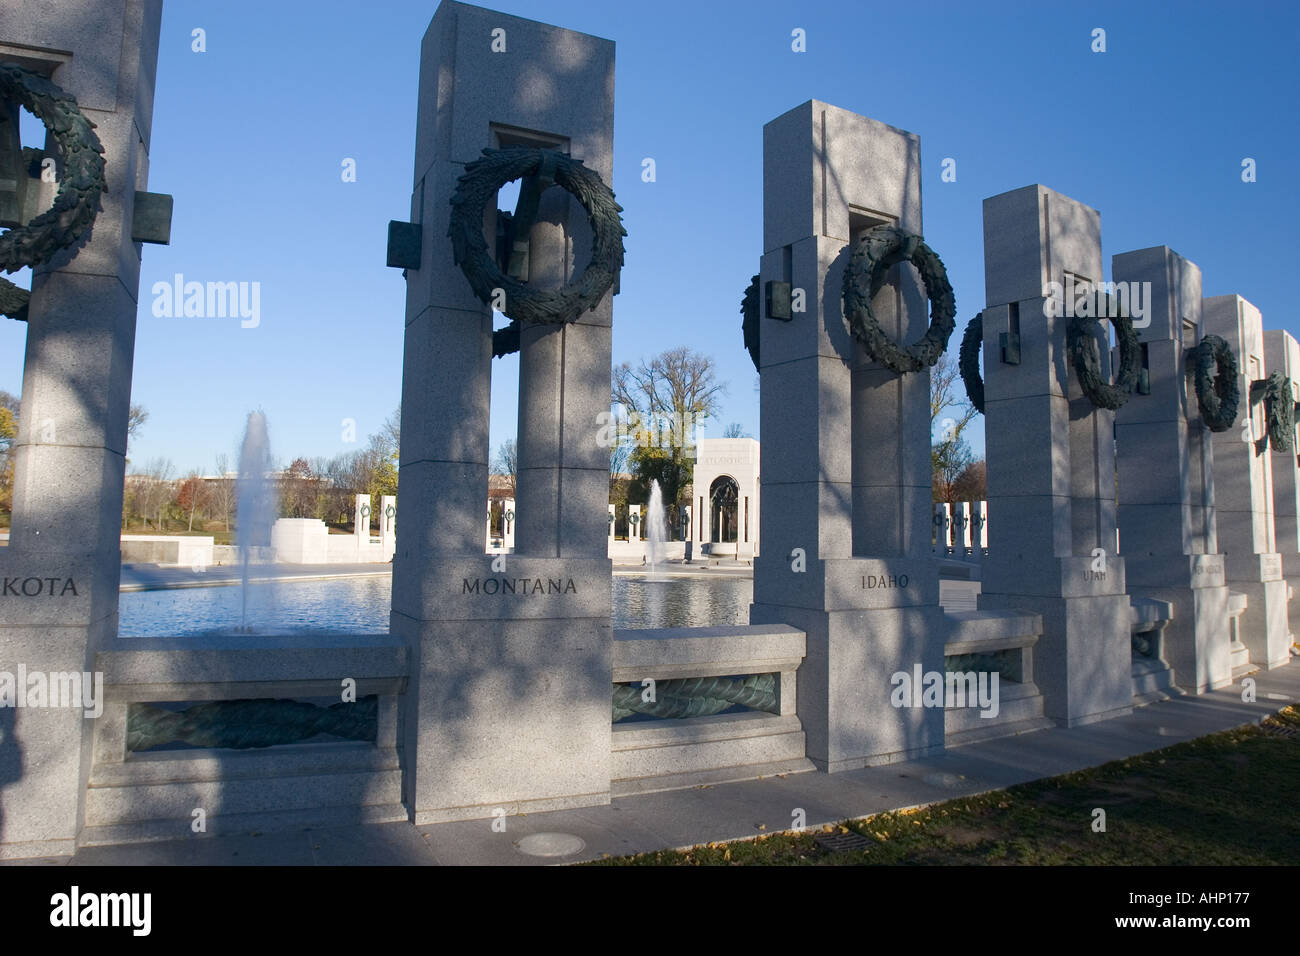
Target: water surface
(360,605)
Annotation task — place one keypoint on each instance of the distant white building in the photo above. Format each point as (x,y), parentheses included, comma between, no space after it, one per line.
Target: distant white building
(724,505)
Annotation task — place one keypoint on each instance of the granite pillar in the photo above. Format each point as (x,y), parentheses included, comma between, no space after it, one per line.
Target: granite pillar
(1167,524)
(845,457)
(509,704)
(1243,490)
(1051,459)
(69,455)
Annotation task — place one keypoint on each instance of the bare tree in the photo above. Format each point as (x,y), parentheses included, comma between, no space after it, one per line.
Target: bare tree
(673,392)
(222,492)
(945,383)
(135,419)
(506,464)
(192,496)
(950,412)
(735,430)
(391,431)
(155,490)
(665,399)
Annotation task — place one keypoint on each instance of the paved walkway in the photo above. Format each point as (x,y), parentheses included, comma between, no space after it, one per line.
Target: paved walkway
(681,818)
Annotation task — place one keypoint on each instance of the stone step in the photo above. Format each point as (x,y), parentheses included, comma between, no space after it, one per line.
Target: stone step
(231,824)
(1020,710)
(164,788)
(649,756)
(1152,681)
(1240,657)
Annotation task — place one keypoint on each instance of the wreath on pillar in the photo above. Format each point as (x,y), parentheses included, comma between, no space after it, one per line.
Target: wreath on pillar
(879,250)
(968,361)
(523,303)
(1082,349)
(80,185)
(1217,392)
(749,320)
(1279,412)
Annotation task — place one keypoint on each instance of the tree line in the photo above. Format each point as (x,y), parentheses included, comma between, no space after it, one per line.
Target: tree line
(157,500)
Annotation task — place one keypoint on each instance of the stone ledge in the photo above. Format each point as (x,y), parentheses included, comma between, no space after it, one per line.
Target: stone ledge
(706,651)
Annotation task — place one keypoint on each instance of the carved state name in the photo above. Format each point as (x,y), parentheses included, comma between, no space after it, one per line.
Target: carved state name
(884,581)
(518,586)
(34,587)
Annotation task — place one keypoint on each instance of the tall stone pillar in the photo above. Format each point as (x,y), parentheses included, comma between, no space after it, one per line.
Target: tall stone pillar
(1051,459)
(69,456)
(387,525)
(1282,354)
(1167,526)
(361,526)
(508,519)
(942,526)
(1243,490)
(979,529)
(509,702)
(846,518)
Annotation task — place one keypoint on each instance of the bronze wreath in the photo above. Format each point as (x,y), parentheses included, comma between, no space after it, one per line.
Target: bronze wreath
(1216,394)
(80,186)
(968,361)
(873,255)
(1087,365)
(1279,412)
(749,320)
(480,182)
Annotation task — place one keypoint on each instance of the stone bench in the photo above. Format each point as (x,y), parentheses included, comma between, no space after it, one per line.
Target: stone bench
(1007,634)
(673,753)
(151,795)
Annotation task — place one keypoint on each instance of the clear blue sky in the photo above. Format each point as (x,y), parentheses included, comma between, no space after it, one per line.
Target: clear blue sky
(249,138)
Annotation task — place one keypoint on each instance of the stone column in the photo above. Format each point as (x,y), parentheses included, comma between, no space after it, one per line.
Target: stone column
(1243,490)
(508,519)
(1167,527)
(962,540)
(387,525)
(846,517)
(69,456)
(941,523)
(634,523)
(1282,354)
(980,532)
(1051,459)
(509,702)
(361,526)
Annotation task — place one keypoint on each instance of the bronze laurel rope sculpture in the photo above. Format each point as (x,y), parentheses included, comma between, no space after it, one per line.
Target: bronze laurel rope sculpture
(80,184)
(519,301)
(696,696)
(968,361)
(1279,412)
(244,724)
(1217,393)
(749,320)
(873,255)
(1081,344)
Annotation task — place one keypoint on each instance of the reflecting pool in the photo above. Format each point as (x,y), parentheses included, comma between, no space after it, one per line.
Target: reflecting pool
(359,605)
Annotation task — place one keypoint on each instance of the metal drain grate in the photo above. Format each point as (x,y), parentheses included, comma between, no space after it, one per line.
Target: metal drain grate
(1280,730)
(842,842)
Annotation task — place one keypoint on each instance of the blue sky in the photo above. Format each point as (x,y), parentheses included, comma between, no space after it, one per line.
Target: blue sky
(249,137)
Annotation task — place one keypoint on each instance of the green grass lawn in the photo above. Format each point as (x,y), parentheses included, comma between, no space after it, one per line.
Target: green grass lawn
(1226,799)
